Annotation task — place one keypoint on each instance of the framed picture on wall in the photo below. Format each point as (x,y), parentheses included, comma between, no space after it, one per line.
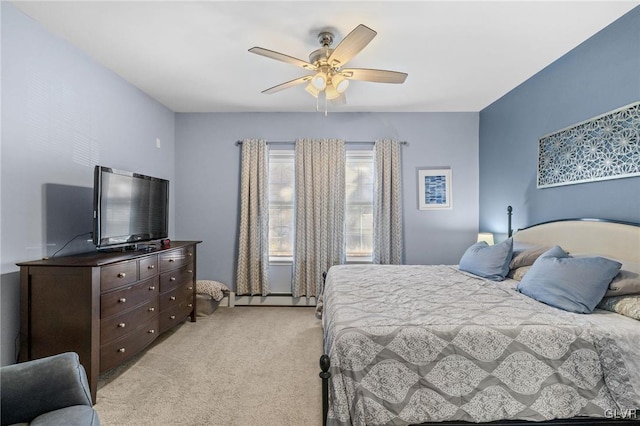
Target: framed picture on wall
(434,188)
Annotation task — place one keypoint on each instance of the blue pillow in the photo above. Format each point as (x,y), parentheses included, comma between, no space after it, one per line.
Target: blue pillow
(487,261)
(574,284)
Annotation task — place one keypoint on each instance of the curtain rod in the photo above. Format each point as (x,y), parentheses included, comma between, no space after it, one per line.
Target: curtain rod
(347,142)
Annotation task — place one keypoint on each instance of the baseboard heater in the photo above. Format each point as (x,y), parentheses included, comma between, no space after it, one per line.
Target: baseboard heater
(232,300)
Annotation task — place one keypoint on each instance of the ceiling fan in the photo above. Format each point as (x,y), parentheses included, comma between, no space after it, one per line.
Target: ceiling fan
(329,78)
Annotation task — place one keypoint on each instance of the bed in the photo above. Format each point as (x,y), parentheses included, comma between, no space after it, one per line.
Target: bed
(415,344)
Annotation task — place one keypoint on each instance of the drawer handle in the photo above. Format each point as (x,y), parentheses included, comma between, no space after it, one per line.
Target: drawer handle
(151,267)
(121,275)
(189,254)
(172,298)
(172,317)
(152,309)
(122,350)
(122,325)
(190,305)
(189,288)
(122,300)
(152,287)
(172,278)
(172,260)
(151,331)
(189,271)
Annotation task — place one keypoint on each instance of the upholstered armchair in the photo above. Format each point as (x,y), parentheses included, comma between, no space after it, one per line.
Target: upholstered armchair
(47,391)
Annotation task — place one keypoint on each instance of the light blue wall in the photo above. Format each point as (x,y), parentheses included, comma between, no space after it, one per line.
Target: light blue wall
(600,75)
(62,113)
(208,168)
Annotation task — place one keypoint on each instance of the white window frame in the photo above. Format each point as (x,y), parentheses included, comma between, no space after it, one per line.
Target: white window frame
(280,154)
(361,154)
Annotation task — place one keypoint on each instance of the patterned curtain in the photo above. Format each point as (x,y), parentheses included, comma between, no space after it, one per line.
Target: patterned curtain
(253,241)
(387,209)
(319,212)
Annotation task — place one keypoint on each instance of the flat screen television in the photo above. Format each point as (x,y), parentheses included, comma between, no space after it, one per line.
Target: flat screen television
(128,208)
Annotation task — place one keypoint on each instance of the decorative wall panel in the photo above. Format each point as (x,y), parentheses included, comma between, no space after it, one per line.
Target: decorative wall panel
(604,147)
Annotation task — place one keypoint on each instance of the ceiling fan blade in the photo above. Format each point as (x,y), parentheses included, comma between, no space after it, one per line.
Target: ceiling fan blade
(353,43)
(288,84)
(282,57)
(377,76)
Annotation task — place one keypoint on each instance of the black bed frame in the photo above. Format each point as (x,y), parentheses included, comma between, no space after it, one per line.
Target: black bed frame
(325,375)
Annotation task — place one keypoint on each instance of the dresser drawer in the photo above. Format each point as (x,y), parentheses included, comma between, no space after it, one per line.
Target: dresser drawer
(120,301)
(148,266)
(174,316)
(114,276)
(183,293)
(169,280)
(119,325)
(175,258)
(120,350)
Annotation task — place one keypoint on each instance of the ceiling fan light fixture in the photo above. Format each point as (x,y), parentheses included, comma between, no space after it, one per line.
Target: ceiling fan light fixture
(327,79)
(340,83)
(319,81)
(331,92)
(311,89)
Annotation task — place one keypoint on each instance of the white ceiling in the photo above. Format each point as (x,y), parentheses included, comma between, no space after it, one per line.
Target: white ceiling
(192,55)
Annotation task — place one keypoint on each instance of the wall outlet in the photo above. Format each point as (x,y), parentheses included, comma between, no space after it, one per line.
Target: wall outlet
(157,142)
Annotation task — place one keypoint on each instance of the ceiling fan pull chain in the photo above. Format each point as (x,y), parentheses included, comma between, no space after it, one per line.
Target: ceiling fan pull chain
(325,105)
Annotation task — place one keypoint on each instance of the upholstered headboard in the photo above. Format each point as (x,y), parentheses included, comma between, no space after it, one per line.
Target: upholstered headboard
(614,239)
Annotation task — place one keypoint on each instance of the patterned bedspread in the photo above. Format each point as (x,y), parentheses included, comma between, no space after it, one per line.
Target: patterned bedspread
(411,344)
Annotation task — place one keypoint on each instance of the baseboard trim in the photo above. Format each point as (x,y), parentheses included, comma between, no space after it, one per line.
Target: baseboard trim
(229,299)
(271,300)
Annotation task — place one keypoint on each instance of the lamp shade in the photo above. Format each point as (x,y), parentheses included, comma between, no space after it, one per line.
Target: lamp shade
(340,83)
(486,237)
(312,90)
(319,81)
(331,92)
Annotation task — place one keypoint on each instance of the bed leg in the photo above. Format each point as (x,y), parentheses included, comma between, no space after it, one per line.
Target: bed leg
(325,363)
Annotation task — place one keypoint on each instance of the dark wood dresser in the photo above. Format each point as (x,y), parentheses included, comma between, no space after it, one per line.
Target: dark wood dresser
(106,306)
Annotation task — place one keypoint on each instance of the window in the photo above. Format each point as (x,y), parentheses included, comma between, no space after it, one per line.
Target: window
(281,191)
(359,206)
(359,176)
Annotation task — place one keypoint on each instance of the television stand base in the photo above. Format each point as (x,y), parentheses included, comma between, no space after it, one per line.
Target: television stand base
(145,247)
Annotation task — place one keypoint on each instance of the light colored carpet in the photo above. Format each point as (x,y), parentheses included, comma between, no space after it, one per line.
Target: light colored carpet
(240,366)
